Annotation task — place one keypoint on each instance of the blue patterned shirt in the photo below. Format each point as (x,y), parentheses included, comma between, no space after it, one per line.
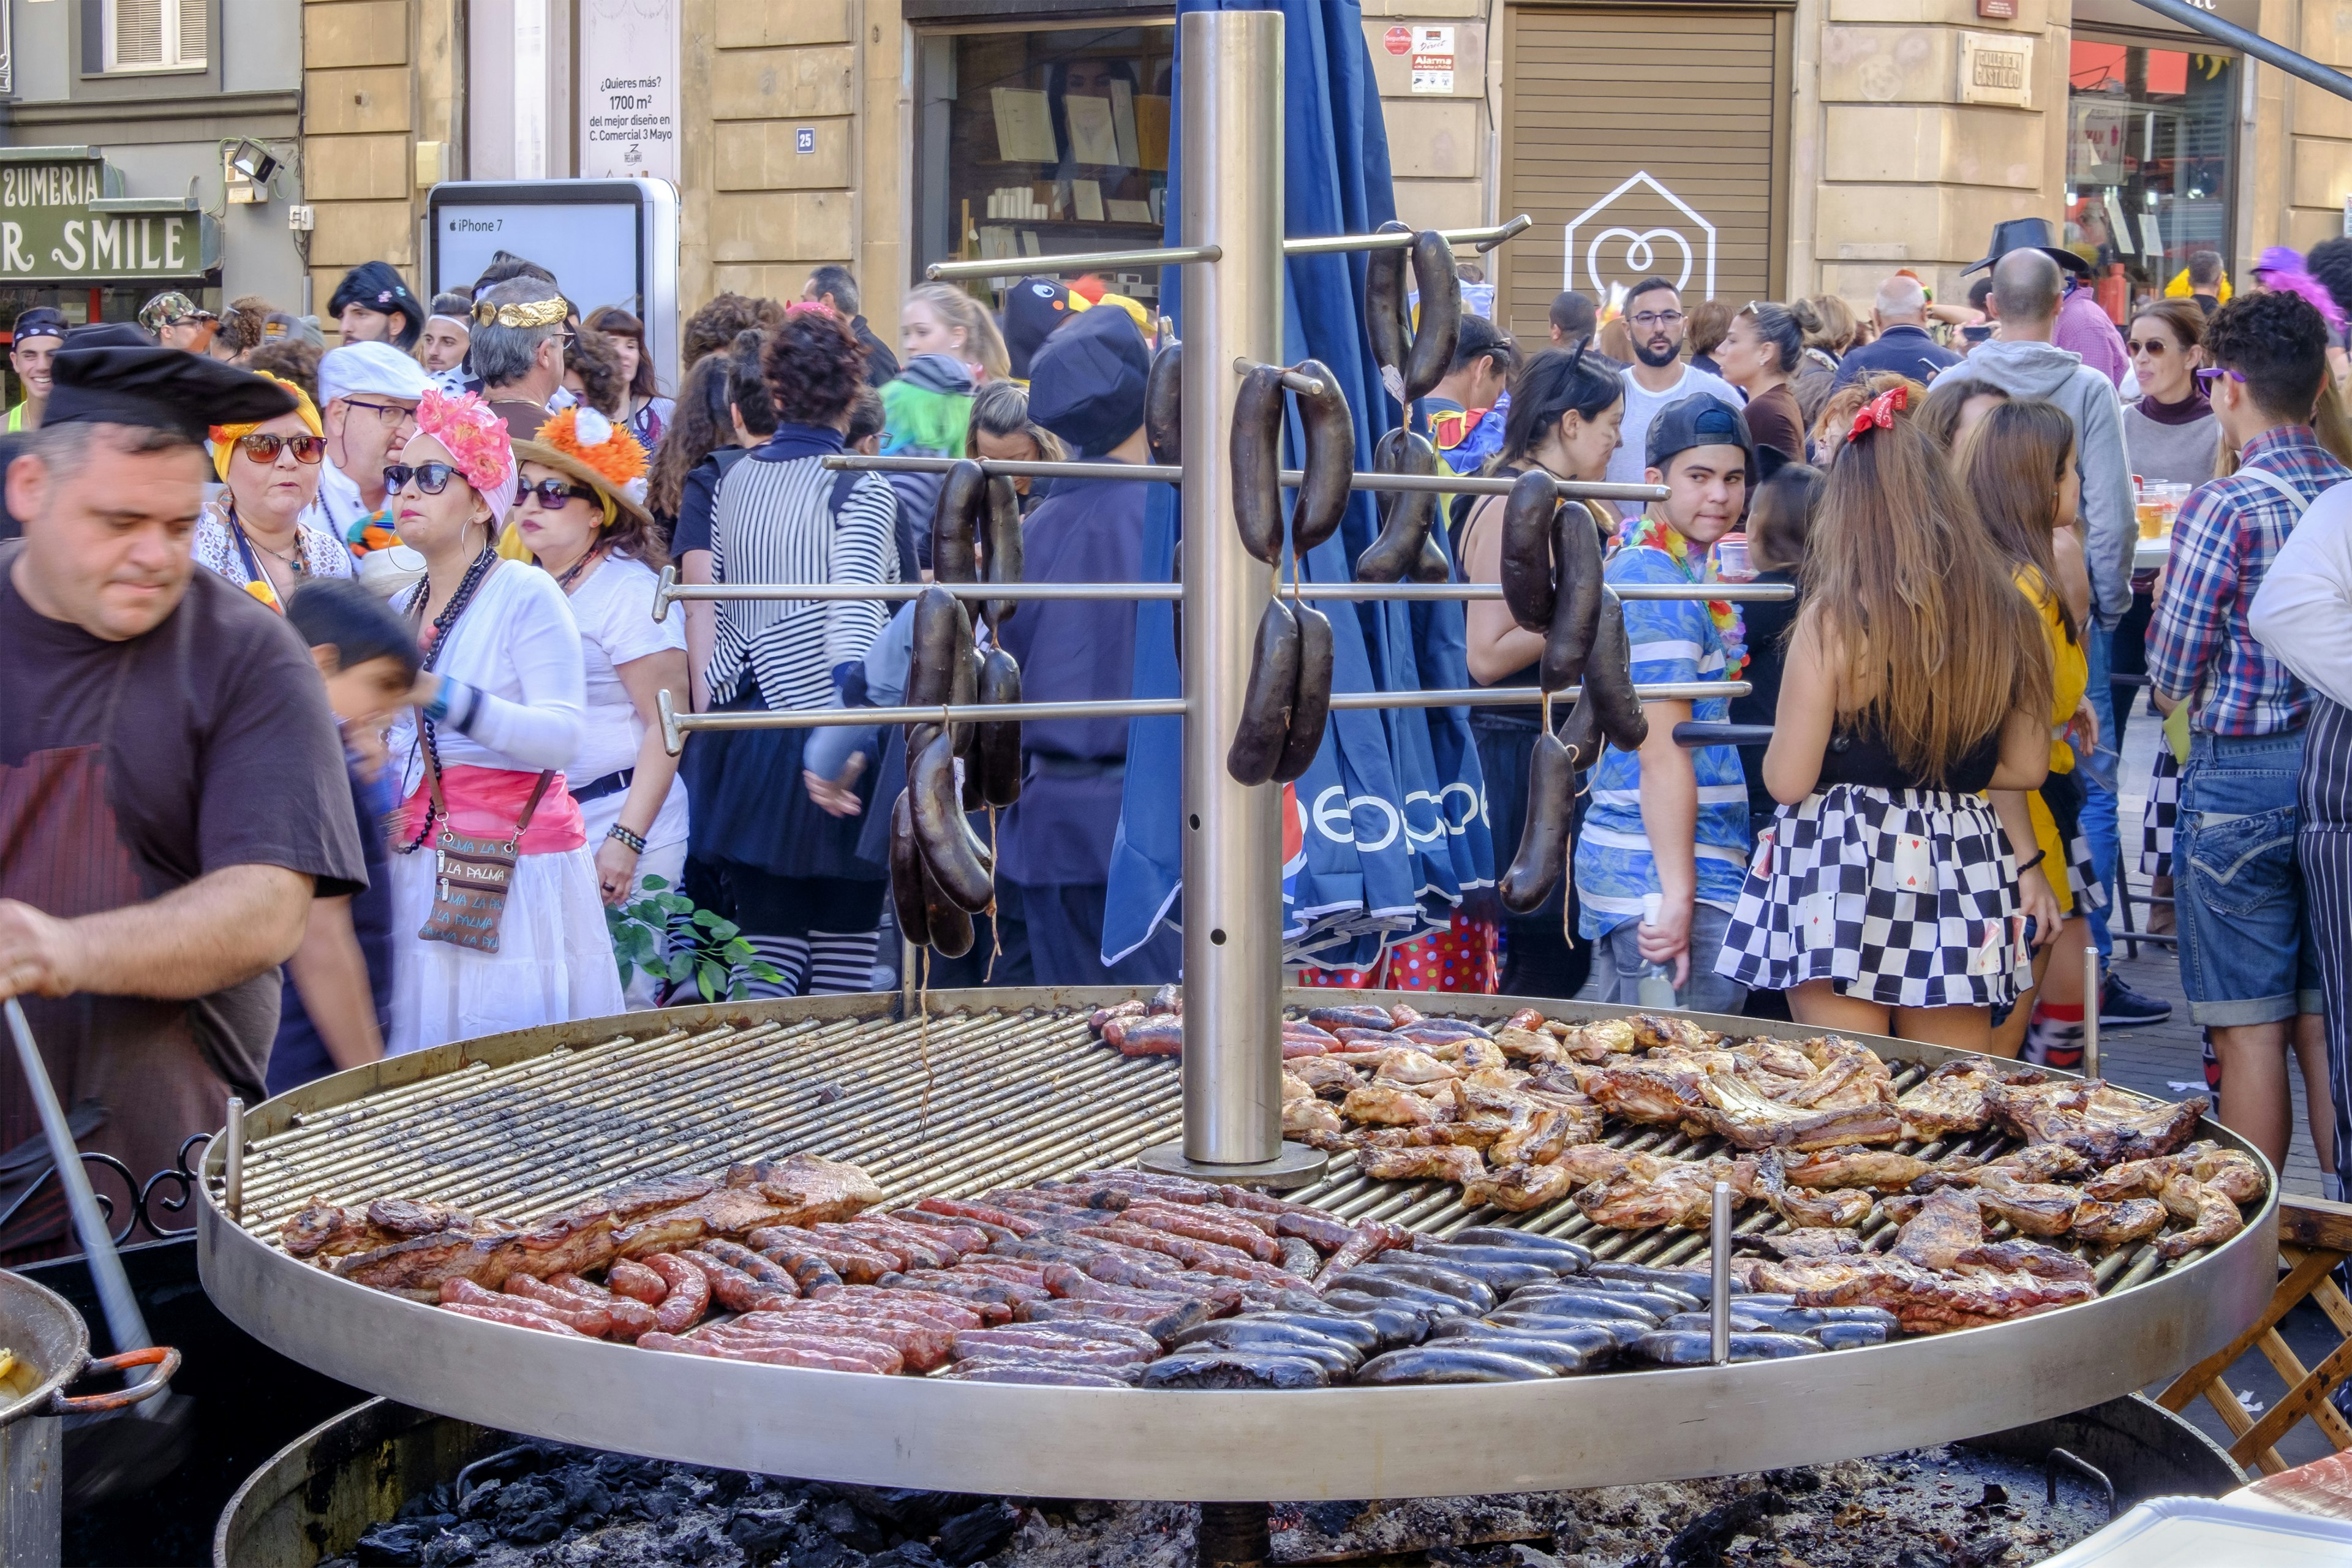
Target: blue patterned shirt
(2229,531)
(1673,639)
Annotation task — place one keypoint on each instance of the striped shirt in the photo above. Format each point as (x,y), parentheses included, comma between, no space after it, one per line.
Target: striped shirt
(774,522)
(2229,531)
(1673,639)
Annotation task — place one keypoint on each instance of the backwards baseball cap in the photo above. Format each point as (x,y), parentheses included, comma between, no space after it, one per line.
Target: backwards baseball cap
(1701,419)
(40,322)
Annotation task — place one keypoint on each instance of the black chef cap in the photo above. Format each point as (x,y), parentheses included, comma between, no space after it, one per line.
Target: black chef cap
(1085,382)
(113,373)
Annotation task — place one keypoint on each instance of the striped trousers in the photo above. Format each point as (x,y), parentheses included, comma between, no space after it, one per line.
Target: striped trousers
(2323,846)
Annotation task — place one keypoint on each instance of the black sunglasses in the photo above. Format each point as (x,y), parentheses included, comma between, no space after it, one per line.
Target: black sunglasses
(431,479)
(553,493)
(264,449)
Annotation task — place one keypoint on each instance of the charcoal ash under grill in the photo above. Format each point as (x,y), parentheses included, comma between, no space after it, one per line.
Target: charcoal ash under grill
(544,1505)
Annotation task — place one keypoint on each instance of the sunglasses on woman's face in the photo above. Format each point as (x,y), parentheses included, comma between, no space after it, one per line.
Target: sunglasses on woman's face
(431,479)
(552,494)
(263,449)
(2154,347)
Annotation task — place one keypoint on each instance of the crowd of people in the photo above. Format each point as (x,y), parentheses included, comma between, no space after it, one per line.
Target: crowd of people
(461,510)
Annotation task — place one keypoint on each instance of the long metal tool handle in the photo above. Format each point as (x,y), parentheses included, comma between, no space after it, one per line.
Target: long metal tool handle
(2091,988)
(123,1321)
(1720,1261)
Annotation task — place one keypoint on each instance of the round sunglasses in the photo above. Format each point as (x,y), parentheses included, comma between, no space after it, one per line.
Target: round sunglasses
(431,479)
(552,494)
(263,449)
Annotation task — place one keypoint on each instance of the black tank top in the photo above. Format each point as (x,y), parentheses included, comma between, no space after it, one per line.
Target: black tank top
(1458,528)
(1859,756)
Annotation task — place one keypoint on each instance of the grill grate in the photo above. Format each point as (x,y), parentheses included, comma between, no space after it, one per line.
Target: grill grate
(953,1104)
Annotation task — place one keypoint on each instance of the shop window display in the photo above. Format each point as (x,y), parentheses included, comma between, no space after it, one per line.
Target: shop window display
(2149,164)
(1043,142)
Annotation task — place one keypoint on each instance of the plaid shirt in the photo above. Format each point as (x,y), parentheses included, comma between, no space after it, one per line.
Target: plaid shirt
(2228,533)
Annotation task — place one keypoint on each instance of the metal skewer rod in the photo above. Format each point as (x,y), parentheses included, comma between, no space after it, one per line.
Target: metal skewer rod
(124,1321)
(2091,1012)
(1720,1261)
(1173,473)
(1481,239)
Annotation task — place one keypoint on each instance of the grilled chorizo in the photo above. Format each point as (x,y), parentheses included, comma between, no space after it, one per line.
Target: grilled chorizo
(1384,311)
(1163,405)
(1003,538)
(1264,732)
(517,1316)
(1256,452)
(1576,586)
(955,524)
(1330,438)
(689,1293)
(1609,681)
(1543,842)
(1404,514)
(907,874)
(1311,709)
(1527,588)
(629,1277)
(957,861)
(1439,330)
(1000,743)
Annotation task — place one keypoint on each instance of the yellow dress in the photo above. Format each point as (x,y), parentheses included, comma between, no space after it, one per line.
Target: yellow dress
(2069,671)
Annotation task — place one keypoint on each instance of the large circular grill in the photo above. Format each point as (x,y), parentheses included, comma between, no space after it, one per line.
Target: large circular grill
(987,1089)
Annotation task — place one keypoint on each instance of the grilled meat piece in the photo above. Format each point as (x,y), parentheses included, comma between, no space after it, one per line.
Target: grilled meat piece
(565,1246)
(1655,1192)
(1747,1119)
(1655,1094)
(1823,1243)
(1517,1189)
(2213,1218)
(637,1199)
(418,1267)
(1382,1105)
(1537,1139)
(2096,1120)
(2024,1257)
(2234,1173)
(1924,1300)
(1949,1224)
(1588,1162)
(1764,1057)
(1403,1066)
(1323,1075)
(806,1187)
(323,1230)
(2034,1208)
(2033,1164)
(1830,1210)
(1597,1042)
(1530,1044)
(1309,1114)
(1882,1169)
(1847,1076)
(1952,1097)
(1443,1164)
(1655,1031)
(2116,1224)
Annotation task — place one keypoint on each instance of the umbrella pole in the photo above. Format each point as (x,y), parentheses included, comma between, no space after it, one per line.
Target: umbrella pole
(1232,200)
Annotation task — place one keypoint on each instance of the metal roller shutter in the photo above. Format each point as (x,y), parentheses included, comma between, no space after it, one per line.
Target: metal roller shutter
(1695,100)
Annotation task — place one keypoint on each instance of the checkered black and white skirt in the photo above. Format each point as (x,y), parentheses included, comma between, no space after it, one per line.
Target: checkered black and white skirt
(1904,897)
(2156,822)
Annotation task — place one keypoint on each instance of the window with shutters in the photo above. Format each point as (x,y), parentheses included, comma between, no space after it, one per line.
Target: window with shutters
(153,35)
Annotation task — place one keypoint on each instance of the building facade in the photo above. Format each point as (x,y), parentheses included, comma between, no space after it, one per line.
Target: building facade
(1754,148)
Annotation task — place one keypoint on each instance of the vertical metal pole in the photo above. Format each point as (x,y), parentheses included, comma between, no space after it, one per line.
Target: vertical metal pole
(2091,1009)
(233,1160)
(1232,198)
(1719,1258)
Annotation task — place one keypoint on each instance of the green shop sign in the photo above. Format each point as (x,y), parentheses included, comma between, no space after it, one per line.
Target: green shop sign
(65,221)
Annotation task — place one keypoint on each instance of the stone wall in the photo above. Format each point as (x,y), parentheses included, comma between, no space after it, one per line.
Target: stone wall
(1439,144)
(377,74)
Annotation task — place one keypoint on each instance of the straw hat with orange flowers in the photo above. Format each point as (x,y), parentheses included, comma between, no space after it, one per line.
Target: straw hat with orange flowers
(584,445)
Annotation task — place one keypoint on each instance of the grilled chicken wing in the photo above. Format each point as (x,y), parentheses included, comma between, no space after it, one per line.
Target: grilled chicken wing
(2116,1224)
(1655,1031)
(2035,1162)
(1402,1066)
(2230,1171)
(1308,1114)
(1808,1210)
(1438,1163)
(1653,1192)
(1517,1189)
(2213,1218)
(1599,1042)
(2034,1208)
(1529,1045)
(1323,1075)
(1385,1105)
(1883,1169)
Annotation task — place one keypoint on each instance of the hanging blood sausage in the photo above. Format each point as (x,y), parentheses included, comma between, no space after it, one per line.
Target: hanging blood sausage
(949,922)
(1329,431)
(1163,405)
(955,524)
(1581,733)
(999,743)
(1256,452)
(1528,591)
(1384,322)
(1439,330)
(941,630)
(956,861)
(1609,681)
(1543,842)
(1265,728)
(1405,515)
(1004,564)
(1312,708)
(1576,596)
(907,874)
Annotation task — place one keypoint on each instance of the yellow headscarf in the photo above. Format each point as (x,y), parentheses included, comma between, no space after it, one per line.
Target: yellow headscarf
(226,437)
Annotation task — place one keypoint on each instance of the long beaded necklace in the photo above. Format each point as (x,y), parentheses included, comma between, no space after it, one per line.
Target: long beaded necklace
(442,624)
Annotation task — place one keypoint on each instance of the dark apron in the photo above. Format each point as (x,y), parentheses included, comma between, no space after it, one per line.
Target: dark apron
(62,851)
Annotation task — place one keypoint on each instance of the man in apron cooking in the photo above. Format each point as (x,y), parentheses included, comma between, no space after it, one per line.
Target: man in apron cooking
(172,789)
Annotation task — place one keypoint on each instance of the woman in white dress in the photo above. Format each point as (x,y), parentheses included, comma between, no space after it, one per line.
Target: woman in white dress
(499,713)
(582,517)
(251,532)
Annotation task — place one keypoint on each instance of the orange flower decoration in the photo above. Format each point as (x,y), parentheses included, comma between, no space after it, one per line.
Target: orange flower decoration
(587,436)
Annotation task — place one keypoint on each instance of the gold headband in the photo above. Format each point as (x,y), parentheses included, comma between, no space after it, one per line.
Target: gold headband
(536,313)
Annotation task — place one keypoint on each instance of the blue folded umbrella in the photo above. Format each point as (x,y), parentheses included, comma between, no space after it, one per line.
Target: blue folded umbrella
(1390,826)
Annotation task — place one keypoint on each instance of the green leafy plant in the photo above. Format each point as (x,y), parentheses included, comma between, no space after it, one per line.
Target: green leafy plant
(716,959)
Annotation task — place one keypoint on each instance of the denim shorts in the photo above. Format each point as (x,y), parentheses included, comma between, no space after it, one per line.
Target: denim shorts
(2246,954)
(1617,966)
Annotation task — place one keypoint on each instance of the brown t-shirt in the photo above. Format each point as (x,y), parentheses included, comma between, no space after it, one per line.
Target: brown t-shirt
(523,416)
(208,743)
(1773,420)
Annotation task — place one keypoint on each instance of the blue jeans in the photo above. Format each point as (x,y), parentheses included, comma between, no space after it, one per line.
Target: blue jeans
(2097,771)
(2246,951)
(1617,966)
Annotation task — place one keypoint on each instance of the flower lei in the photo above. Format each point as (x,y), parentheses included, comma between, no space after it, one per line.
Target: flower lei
(1647,532)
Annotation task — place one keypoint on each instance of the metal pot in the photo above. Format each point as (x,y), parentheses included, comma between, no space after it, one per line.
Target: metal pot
(40,1326)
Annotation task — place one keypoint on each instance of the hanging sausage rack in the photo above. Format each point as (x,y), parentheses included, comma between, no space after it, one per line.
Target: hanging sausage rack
(954,1092)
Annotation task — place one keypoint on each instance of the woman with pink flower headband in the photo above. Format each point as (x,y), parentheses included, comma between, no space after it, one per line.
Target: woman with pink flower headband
(498,715)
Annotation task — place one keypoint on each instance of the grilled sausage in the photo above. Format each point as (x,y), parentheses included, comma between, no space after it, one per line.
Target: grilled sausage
(1527,589)
(1256,452)
(1576,596)
(957,861)
(1542,858)
(1163,405)
(950,923)
(1405,515)
(1609,681)
(1591,1340)
(1146,1036)
(1329,432)
(1439,330)
(1000,743)
(907,874)
(1349,1017)
(517,1316)
(1236,1369)
(955,524)
(1020,1372)
(689,1293)
(1384,322)
(629,1277)
(736,1291)
(1311,711)
(1456,1361)
(1685,1347)
(590,1318)
(1431,1276)
(1004,537)
(1264,731)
